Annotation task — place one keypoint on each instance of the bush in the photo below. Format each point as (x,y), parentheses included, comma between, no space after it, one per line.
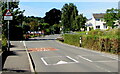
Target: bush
(102,43)
(72,39)
(96,32)
(91,42)
(106,41)
(4,43)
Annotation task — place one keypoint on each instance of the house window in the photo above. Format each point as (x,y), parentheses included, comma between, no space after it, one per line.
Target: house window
(97,27)
(97,19)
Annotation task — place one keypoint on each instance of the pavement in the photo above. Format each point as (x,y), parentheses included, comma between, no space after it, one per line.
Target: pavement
(16,60)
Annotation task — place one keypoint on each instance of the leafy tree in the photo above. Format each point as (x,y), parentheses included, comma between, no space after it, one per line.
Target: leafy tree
(79,22)
(26,28)
(69,12)
(32,22)
(111,16)
(53,16)
(33,25)
(44,27)
(15,24)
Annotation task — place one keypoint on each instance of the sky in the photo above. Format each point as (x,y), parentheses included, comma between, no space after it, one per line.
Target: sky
(38,9)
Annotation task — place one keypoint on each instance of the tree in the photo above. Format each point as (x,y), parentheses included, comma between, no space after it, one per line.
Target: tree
(15,24)
(111,16)
(79,22)
(33,25)
(53,16)
(69,12)
(44,27)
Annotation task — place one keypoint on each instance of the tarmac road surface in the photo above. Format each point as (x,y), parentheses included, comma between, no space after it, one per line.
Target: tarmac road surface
(50,55)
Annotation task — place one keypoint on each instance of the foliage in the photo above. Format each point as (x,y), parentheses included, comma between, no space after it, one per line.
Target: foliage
(96,32)
(17,19)
(31,22)
(111,16)
(69,13)
(79,22)
(81,32)
(33,25)
(53,16)
(26,28)
(72,39)
(4,43)
(56,28)
(105,41)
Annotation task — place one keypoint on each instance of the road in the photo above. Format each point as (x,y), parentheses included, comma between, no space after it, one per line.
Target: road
(50,55)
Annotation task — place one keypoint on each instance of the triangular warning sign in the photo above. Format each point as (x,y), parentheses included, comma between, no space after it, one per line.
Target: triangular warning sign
(8,13)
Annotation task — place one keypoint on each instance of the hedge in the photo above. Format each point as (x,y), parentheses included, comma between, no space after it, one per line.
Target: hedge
(95,42)
(72,39)
(101,43)
(4,43)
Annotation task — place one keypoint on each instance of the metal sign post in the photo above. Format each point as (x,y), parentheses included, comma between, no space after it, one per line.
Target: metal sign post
(8,37)
(8,17)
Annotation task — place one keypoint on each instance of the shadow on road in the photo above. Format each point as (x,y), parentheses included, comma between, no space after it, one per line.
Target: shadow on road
(14,70)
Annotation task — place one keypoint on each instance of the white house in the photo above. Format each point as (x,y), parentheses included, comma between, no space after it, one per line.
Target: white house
(96,22)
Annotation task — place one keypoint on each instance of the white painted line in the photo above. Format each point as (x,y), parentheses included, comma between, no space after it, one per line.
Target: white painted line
(105,61)
(44,61)
(72,58)
(30,62)
(110,57)
(103,68)
(62,62)
(85,58)
(85,49)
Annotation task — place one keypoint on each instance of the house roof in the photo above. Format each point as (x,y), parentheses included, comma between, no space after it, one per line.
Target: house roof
(101,15)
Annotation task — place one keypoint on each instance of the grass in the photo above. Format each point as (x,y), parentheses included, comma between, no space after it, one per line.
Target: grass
(81,32)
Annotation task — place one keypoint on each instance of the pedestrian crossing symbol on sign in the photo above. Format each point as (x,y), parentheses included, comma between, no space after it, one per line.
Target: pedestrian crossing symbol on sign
(8,13)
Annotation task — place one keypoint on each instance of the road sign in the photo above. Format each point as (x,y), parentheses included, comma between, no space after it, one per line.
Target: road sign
(8,15)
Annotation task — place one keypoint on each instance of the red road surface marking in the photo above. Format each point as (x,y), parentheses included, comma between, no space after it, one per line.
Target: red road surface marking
(42,49)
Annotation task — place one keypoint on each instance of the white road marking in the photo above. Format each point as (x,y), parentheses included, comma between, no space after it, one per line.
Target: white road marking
(98,52)
(105,61)
(72,59)
(111,57)
(44,61)
(30,61)
(62,62)
(103,68)
(85,58)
